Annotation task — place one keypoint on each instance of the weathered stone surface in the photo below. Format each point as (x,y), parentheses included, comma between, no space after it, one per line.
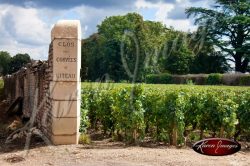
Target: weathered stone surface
(68,109)
(53,87)
(65,90)
(66,63)
(66,29)
(65,126)
(66,39)
(65,139)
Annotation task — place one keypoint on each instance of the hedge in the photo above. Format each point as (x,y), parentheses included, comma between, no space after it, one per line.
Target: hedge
(165,114)
(200,79)
(245,80)
(214,79)
(159,78)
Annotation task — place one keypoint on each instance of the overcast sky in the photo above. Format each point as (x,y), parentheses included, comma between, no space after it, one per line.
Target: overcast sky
(26,24)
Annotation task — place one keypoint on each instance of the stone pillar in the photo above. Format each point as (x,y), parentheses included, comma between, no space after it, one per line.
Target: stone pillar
(65,87)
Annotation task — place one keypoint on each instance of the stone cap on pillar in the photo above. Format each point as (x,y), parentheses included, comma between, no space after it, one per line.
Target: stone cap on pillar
(66,29)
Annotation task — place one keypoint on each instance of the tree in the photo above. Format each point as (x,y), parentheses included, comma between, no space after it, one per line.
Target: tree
(91,58)
(123,35)
(206,59)
(156,35)
(228,26)
(4,62)
(18,61)
(114,49)
(213,62)
(124,49)
(176,56)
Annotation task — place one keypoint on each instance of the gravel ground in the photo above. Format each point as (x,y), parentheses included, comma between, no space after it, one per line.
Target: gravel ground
(102,153)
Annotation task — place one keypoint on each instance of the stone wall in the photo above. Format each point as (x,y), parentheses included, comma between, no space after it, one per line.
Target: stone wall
(51,89)
(32,84)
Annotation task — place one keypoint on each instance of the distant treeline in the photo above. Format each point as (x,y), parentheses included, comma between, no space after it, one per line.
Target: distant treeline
(129,48)
(126,43)
(11,64)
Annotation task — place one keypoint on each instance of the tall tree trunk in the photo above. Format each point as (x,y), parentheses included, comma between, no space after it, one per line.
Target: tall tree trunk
(241,66)
(238,67)
(245,65)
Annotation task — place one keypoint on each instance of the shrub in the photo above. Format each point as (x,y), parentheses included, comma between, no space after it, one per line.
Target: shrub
(1,83)
(243,112)
(245,80)
(1,88)
(128,114)
(164,112)
(200,79)
(84,139)
(174,105)
(214,79)
(84,122)
(159,78)
(189,82)
(105,100)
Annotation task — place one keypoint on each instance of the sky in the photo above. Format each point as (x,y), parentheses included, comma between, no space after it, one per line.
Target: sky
(25,25)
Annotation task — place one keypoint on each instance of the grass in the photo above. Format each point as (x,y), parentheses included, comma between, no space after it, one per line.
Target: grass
(84,139)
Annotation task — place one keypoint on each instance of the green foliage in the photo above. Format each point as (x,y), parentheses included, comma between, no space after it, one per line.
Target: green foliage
(85,108)
(4,62)
(174,106)
(207,59)
(1,83)
(1,89)
(227,27)
(176,57)
(165,112)
(163,78)
(104,111)
(224,116)
(243,113)
(84,139)
(9,65)
(18,61)
(128,113)
(129,48)
(213,62)
(214,79)
(189,82)
(245,80)
(199,79)
(88,109)
(103,50)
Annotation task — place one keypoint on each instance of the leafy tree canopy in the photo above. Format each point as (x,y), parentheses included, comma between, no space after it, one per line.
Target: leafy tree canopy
(228,26)
(4,62)
(18,61)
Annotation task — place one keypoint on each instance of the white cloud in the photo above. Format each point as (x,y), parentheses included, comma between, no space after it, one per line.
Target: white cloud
(90,17)
(36,52)
(163,7)
(22,31)
(163,10)
(181,25)
(27,29)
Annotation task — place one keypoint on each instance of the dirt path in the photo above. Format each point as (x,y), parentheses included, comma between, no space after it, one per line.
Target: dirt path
(116,154)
